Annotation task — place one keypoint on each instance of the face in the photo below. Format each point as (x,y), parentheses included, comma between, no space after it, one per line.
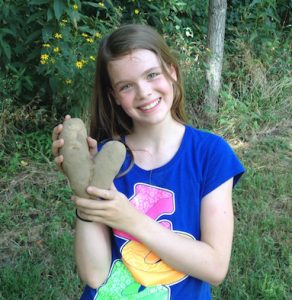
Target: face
(141,88)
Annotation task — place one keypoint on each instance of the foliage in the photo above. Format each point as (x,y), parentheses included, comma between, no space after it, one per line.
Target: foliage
(48,47)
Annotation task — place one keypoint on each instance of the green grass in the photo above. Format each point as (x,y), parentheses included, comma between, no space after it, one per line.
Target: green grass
(37,216)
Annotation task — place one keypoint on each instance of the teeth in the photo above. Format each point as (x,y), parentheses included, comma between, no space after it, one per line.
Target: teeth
(151,105)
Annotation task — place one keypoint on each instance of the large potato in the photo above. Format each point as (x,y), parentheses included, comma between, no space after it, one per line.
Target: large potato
(81,169)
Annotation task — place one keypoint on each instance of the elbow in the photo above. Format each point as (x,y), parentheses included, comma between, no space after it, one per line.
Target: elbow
(218,275)
(216,281)
(94,280)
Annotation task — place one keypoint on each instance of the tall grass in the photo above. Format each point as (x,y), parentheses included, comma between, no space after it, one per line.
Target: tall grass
(37,217)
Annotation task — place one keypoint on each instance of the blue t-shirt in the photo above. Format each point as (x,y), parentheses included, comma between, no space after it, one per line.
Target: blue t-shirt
(172,196)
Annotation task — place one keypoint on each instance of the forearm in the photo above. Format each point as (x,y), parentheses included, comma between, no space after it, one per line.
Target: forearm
(192,257)
(92,252)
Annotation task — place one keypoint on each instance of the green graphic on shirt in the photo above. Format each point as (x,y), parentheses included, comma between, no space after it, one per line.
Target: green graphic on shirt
(121,285)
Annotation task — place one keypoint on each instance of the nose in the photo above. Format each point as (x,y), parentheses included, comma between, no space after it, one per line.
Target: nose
(144,89)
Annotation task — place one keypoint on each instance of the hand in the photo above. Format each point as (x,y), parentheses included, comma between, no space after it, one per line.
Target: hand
(111,208)
(59,143)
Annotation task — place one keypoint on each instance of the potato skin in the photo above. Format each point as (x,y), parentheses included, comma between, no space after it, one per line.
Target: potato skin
(81,169)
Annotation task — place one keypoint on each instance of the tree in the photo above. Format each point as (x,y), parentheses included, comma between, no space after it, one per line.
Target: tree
(215,43)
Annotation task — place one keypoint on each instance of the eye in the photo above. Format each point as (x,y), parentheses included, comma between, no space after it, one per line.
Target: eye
(153,75)
(125,87)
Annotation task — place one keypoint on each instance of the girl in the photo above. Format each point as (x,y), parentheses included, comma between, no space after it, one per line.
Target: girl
(164,230)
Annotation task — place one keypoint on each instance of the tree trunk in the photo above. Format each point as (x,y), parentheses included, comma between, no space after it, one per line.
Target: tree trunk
(215,40)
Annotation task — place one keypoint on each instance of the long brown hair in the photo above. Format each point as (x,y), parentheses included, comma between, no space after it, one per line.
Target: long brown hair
(108,120)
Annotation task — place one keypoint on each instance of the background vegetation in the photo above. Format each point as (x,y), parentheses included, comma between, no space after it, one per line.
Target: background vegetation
(47,53)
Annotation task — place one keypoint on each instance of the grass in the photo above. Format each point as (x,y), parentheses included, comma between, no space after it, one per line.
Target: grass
(37,217)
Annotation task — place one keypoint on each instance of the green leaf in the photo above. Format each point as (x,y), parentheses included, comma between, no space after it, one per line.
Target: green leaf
(47,33)
(38,2)
(58,8)
(33,36)
(6,49)
(50,14)
(7,31)
(91,4)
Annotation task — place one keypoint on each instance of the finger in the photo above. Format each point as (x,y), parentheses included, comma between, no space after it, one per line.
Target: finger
(100,193)
(67,117)
(59,159)
(92,144)
(87,205)
(56,145)
(56,131)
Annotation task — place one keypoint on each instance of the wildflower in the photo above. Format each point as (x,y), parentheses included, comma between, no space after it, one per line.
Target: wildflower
(68,81)
(136,11)
(43,62)
(46,45)
(75,7)
(79,64)
(56,49)
(98,35)
(84,34)
(92,57)
(58,36)
(44,57)
(101,4)
(63,22)
(89,40)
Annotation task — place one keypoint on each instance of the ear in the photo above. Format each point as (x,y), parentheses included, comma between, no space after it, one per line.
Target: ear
(173,73)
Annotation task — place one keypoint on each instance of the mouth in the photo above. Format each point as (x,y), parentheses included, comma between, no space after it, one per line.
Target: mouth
(151,105)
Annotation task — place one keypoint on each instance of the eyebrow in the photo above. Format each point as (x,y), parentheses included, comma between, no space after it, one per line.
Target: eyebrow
(144,73)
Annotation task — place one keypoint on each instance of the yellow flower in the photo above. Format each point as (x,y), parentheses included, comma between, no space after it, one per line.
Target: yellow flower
(89,40)
(92,57)
(98,35)
(79,64)
(56,49)
(58,36)
(46,45)
(44,57)
(75,7)
(68,81)
(43,62)
(136,11)
(101,4)
(84,34)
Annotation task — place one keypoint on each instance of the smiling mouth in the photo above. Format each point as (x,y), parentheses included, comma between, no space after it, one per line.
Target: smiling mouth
(151,105)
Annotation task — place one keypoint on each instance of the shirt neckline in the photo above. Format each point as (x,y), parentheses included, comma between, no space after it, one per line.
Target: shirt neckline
(176,156)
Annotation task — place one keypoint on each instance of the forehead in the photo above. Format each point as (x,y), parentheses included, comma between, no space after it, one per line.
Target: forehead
(132,64)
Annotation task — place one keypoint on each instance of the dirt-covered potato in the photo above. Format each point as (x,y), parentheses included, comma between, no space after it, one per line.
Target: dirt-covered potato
(81,169)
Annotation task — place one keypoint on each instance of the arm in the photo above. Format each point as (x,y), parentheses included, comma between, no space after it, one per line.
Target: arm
(92,240)
(92,252)
(207,259)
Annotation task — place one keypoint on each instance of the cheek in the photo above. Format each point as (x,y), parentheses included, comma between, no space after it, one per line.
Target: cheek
(165,86)
(125,101)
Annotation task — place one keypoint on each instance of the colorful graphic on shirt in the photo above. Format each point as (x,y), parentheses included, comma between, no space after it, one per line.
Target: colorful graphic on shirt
(146,267)
(142,274)
(153,202)
(121,285)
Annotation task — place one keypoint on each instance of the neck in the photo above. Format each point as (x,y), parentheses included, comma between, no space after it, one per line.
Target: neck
(155,137)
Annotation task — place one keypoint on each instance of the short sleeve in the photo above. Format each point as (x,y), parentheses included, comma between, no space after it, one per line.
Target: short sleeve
(220,165)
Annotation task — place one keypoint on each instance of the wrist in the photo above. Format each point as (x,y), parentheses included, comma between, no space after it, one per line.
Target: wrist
(80,218)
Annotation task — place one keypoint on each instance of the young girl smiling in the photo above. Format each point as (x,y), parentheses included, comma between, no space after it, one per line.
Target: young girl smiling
(164,230)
